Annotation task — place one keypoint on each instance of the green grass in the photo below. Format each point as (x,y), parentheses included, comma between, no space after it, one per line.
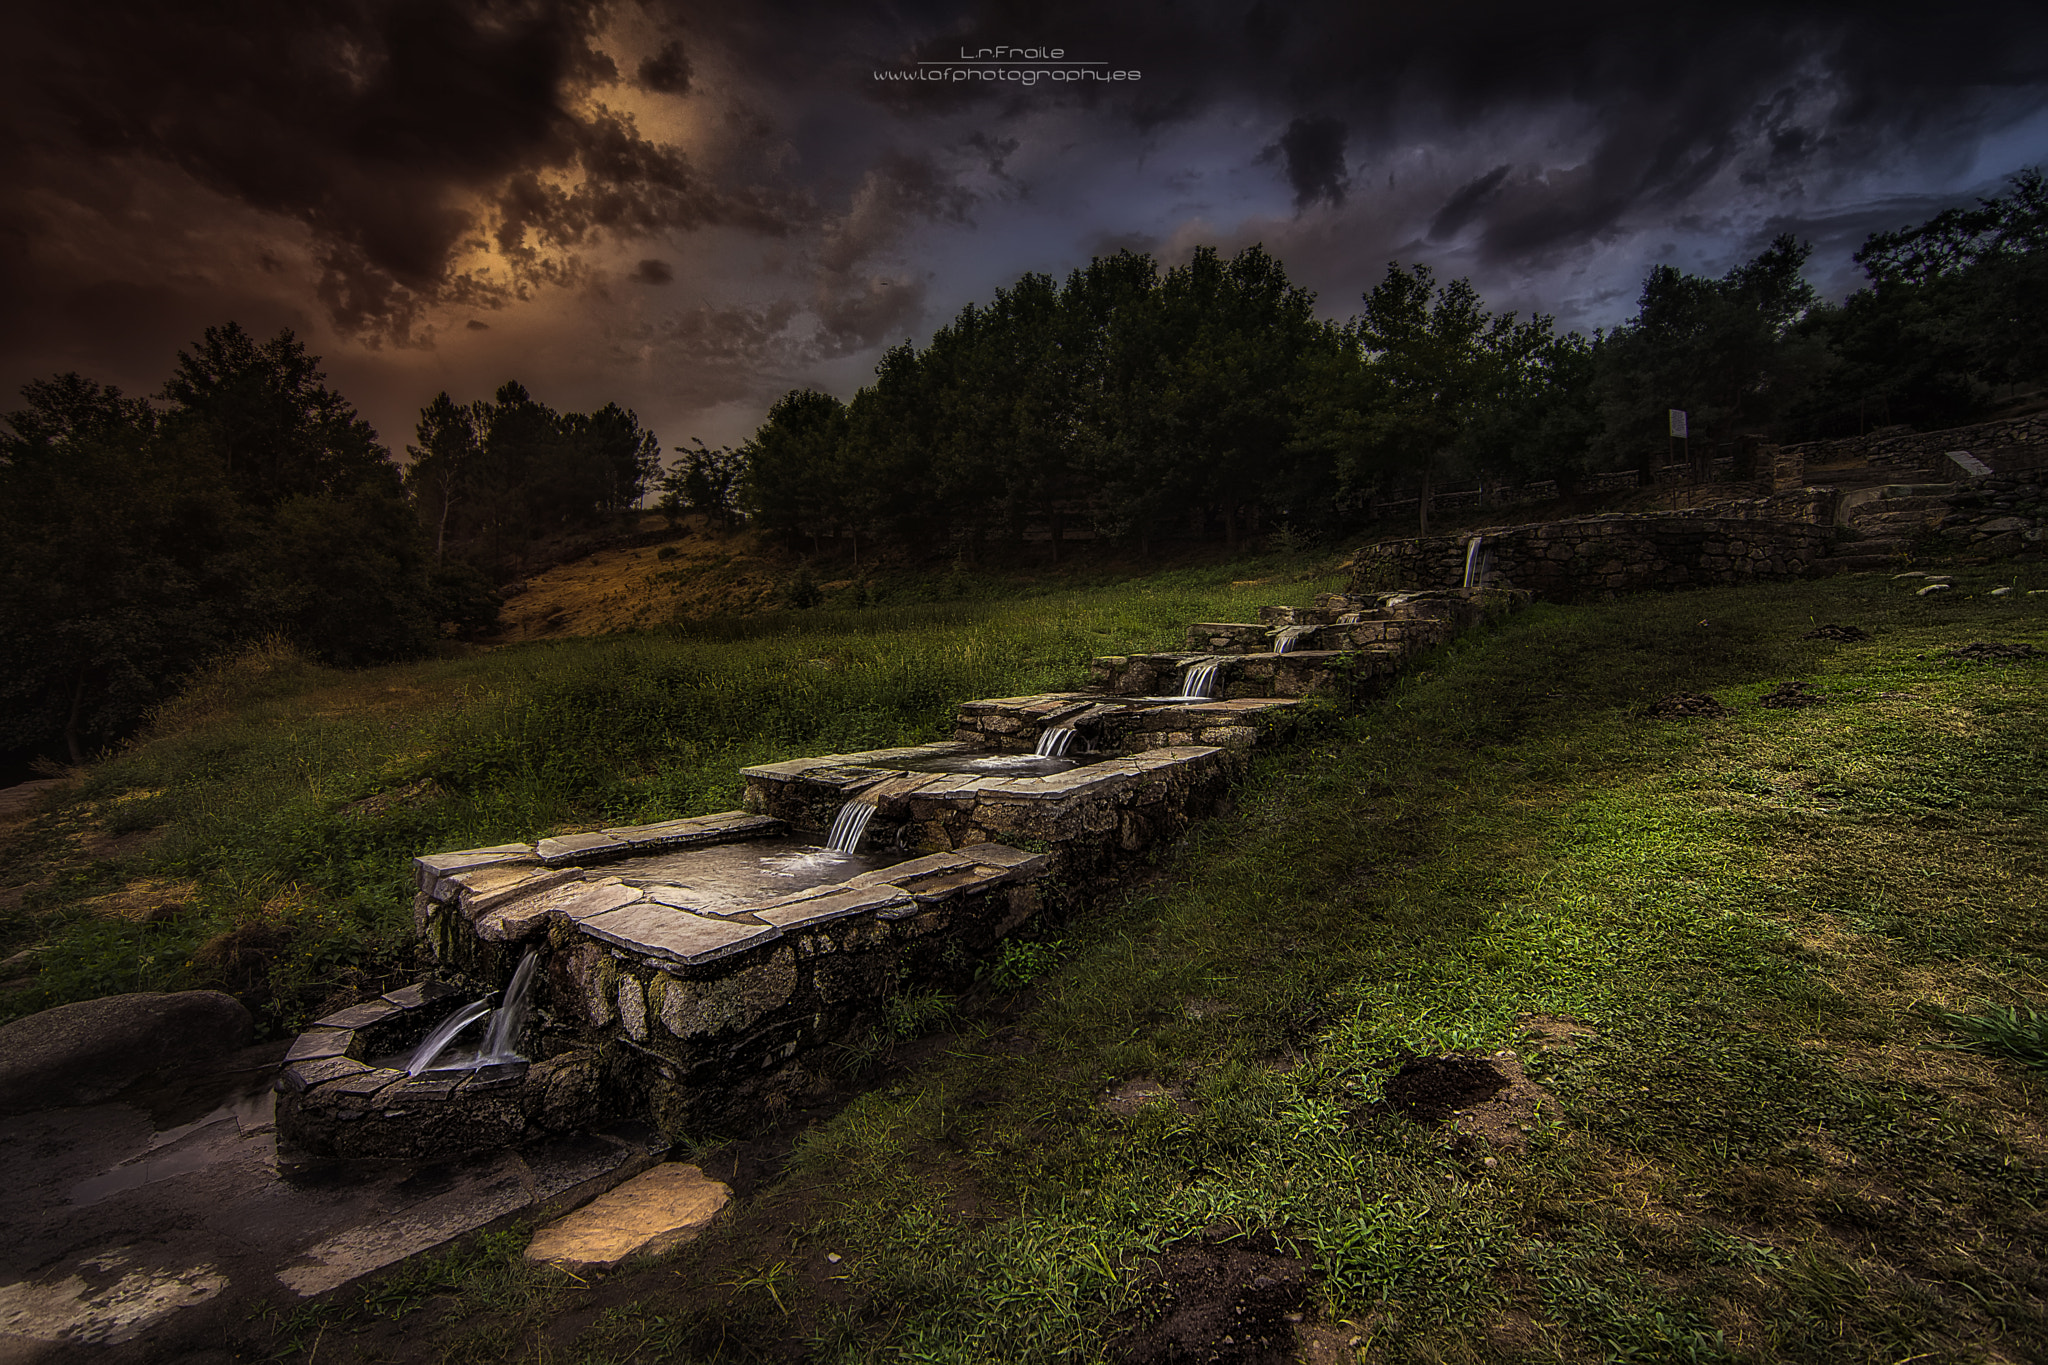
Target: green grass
(280,803)
(1767,1148)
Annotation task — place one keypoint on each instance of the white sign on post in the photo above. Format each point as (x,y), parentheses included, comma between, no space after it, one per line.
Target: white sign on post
(1678,423)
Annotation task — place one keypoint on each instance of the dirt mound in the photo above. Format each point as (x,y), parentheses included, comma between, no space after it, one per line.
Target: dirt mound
(1992,652)
(1846,634)
(1232,1303)
(1688,704)
(1431,1089)
(1790,696)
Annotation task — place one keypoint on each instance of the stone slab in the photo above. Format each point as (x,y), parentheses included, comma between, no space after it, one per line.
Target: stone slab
(564,849)
(938,886)
(676,935)
(725,827)
(1020,861)
(431,867)
(814,908)
(306,1075)
(584,899)
(654,1212)
(318,1043)
(479,889)
(359,1016)
(420,993)
(915,867)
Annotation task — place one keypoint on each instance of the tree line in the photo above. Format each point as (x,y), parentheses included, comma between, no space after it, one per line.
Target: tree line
(140,538)
(1208,398)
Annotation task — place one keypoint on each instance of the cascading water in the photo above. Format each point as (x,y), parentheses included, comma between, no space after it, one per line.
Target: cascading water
(1472,573)
(849,825)
(429,1052)
(1053,743)
(1289,637)
(501,1035)
(1200,679)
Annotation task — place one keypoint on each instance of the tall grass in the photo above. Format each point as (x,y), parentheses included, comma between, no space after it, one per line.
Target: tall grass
(290,798)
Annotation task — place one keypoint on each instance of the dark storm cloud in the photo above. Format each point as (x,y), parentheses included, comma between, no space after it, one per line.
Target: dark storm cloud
(1313,149)
(654,272)
(1460,208)
(668,70)
(392,132)
(1674,95)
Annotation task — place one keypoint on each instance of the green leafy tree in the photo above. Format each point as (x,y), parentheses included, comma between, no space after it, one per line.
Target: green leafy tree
(793,464)
(1727,351)
(1439,364)
(1955,316)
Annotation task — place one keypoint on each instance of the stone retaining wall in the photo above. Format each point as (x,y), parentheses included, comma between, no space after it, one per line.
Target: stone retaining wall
(1592,556)
(1928,450)
(1090,817)
(2004,514)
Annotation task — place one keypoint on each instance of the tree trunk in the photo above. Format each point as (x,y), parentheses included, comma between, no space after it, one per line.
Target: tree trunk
(1422,503)
(1230,527)
(71,722)
(1058,525)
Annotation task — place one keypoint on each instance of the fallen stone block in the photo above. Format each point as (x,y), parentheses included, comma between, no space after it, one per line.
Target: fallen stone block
(654,1212)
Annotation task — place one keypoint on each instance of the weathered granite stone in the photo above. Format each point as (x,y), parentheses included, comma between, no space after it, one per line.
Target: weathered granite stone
(813,908)
(359,1016)
(725,827)
(314,1044)
(420,994)
(632,1007)
(689,1009)
(483,888)
(653,1213)
(658,932)
(580,901)
(580,848)
(430,868)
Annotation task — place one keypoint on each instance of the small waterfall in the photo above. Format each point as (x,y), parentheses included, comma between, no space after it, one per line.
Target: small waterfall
(1200,679)
(429,1052)
(501,1035)
(1472,573)
(501,1038)
(1054,741)
(1288,637)
(849,825)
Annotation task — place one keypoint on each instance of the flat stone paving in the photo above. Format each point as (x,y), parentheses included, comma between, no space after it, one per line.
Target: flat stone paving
(153,1224)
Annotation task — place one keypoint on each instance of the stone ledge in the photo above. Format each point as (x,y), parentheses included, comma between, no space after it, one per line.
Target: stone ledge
(670,935)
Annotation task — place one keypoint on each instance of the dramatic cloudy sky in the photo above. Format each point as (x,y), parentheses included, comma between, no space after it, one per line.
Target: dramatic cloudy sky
(693,207)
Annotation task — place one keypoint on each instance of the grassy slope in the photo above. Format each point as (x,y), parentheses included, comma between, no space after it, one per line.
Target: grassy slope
(1762,1154)
(259,840)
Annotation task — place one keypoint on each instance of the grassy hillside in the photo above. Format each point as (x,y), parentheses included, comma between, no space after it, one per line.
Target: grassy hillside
(1718,948)
(258,838)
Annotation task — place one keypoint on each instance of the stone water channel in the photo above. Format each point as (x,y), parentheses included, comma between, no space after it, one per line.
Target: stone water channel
(692,972)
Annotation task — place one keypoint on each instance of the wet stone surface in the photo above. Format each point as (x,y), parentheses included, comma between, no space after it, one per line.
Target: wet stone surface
(154,1224)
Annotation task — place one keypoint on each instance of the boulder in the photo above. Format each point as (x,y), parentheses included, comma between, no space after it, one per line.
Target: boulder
(85,1052)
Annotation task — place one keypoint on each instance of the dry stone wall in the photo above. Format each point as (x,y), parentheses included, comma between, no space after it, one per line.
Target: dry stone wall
(1595,556)
(1928,450)
(2004,515)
